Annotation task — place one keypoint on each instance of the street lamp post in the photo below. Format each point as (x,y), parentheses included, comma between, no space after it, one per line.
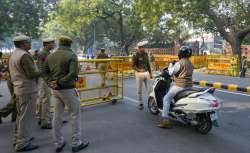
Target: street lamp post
(94,39)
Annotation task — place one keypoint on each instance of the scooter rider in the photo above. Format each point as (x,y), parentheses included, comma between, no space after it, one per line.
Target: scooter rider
(182,72)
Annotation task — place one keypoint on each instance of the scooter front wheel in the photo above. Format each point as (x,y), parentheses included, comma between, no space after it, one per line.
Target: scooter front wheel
(204,124)
(152,106)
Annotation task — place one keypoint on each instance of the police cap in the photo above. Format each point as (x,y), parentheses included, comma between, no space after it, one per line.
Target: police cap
(47,40)
(21,38)
(65,41)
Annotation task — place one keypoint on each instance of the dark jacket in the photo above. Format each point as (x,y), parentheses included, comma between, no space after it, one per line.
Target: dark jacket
(141,61)
(62,67)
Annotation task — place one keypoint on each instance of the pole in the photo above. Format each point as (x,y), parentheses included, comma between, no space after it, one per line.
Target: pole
(94,38)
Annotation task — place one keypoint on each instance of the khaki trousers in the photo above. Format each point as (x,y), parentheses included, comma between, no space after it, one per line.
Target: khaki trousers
(70,99)
(141,77)
(44,103)
(25,119)
(102,67)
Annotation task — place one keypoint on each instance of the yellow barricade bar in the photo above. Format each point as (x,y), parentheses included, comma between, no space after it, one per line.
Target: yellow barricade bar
(100,81)
(100,60)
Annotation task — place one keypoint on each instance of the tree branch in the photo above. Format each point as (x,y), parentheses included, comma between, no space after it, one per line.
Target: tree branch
(220,25)
(114,2)
(243,33)
(241,4)
(109,14)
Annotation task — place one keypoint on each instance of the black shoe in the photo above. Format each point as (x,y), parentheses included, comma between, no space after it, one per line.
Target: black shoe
(29,147)
(39,122)
(80,147)
(65,121)
(47,126)
(60,148)
(140,107)
(13,117)
(31,139)
(1,120)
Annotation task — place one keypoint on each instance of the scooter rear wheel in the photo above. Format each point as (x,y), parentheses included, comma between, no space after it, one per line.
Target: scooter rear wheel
(205,124)
(152,106)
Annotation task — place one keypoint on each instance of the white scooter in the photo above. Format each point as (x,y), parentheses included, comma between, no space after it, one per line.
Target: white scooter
(195,107)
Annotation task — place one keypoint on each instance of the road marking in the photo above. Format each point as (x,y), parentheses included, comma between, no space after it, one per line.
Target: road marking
(131,99)
(230,92)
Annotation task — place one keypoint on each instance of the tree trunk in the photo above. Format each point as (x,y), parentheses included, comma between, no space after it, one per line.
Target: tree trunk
(128,43)
(177,41)
(233,37)
(236,46)
(121,28)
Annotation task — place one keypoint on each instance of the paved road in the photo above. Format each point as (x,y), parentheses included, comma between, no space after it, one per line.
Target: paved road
(124,129)
(242,82)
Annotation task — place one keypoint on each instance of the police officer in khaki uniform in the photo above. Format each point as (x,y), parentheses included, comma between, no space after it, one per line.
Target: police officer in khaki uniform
(44,93)
(102,66)
(141,65)
(61,72)
(24,76)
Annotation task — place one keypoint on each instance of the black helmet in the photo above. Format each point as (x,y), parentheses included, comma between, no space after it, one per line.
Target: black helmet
(185,52)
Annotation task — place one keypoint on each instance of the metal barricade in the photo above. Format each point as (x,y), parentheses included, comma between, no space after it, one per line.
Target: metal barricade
(99,81)
(127,65)
(5,61)
(199,61)
(161,61)
(223,64)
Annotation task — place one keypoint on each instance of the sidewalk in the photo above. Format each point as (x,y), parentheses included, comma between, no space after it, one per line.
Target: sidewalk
(242,82)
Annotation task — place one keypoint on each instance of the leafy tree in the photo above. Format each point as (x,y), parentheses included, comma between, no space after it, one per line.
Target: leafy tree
(159,17)
(121,22)
(230,18)
(246,41)
(27,16)
(114,20)
(5,19)
(22,16)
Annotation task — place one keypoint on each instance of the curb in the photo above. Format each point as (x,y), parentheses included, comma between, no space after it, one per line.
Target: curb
(216,85)
(219,85)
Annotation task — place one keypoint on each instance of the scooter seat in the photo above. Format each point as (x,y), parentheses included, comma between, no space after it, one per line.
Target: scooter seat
(184,93)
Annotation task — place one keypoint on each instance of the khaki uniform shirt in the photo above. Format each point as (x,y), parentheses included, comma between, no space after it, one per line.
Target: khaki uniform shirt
(140,61)
(62,67)
(23,72)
